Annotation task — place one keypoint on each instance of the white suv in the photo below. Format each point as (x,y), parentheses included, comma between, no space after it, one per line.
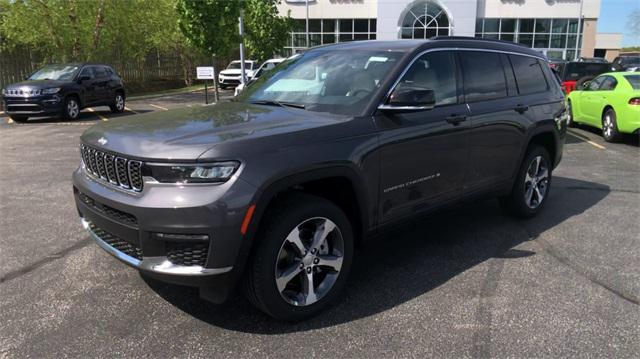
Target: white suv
(231,75)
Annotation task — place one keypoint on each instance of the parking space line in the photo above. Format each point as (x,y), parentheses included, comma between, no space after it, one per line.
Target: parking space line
(130,110)
(160,107)
(586,139)
(97,114)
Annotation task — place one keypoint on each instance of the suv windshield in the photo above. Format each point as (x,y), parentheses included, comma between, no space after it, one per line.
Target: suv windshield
(236,65)
(55,72)
(576,70)
(334,81)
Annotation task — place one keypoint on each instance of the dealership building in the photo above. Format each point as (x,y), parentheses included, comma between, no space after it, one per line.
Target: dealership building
(550,26)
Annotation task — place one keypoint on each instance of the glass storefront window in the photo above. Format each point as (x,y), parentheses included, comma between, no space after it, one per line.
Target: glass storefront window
(526,25)
(491,25)
(360,25)
(558,41)
(329,31)
(525,39)
(541,41)
(328,25)
(508,25)
(543,26)
(559,26)
(346,25)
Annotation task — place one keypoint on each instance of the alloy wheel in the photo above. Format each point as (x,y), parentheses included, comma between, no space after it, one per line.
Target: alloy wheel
(309,261)
(608,126)
(536,182)
(73,110)
(119,102)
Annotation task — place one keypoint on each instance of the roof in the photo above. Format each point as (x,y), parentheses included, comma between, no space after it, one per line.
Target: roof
(441,41)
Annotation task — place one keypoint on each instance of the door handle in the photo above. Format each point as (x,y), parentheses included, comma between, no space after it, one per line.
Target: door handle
(520,108)
(456,119)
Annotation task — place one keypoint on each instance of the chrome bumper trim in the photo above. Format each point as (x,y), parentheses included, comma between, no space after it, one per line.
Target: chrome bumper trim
(160,265)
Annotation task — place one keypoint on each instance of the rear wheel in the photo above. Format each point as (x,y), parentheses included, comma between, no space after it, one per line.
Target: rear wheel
(530,192)
(71,109)
(18,118)
(118,103)
(610,126)
(302,259)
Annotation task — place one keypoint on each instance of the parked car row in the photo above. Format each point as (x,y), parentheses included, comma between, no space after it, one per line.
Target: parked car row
(64,90)
(574,74)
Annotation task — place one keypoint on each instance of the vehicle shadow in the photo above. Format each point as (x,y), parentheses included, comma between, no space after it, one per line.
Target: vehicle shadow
(408,262)
(627,139)
(84,116)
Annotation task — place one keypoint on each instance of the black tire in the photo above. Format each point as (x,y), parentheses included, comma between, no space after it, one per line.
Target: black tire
(516,203)
(610,131)
(71,108)
(260,278)
(571,121)
(223,87)
(118,103)
(19,118)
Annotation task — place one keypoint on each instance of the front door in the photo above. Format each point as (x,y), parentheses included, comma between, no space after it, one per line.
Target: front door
(590,99)
(424,154)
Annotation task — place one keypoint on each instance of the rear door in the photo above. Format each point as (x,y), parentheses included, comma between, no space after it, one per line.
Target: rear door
(499,117)
(424,154)
(102,93)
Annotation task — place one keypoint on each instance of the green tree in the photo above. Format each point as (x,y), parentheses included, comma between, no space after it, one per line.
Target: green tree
(210,25)
(266,31)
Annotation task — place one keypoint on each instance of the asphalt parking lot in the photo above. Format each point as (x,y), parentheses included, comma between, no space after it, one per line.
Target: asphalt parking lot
(468,282)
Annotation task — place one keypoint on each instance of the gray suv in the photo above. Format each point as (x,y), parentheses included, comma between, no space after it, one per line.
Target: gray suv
(275,189)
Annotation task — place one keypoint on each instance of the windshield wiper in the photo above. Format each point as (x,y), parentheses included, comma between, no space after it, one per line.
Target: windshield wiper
(278,103)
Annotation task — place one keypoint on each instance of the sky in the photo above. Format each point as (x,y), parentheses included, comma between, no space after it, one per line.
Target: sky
(613,18)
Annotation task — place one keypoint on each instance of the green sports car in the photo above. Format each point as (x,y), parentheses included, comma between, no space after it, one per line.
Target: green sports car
(610,102)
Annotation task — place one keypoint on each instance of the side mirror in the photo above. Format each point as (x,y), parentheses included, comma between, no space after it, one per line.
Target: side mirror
(584,86)
(410,98)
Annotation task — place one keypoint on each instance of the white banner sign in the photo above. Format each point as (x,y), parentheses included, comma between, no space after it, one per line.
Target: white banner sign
(205,72)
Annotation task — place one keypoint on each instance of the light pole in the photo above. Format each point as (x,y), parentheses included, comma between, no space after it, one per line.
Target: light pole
(306,2)
(241,26)
(579,30)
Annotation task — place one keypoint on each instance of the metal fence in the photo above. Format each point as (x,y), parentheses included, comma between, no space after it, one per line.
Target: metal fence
(155,71)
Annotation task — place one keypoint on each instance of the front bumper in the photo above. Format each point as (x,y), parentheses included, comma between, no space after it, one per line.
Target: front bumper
(229,80)
(33,106)
(126,225)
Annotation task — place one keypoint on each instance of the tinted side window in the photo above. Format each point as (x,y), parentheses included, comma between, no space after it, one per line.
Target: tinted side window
(529,75)
(482,75)
(608,84)
(99,71)
(434,71)
(594,85)
(87,71)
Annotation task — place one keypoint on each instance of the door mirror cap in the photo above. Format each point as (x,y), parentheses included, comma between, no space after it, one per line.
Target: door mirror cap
(409,98)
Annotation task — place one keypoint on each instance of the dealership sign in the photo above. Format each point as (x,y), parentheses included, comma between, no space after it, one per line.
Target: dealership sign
(205,72)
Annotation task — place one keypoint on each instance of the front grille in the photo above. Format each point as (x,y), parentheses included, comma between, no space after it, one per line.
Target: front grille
(115,214)
(187,254)
(26,92)
(116,242)
(118,171)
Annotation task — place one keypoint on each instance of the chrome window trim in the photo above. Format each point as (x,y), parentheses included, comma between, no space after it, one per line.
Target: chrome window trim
(406,69)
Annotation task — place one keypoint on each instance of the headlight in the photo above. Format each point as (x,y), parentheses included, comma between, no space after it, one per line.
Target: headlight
(51,91)
(3,91)
(193,173)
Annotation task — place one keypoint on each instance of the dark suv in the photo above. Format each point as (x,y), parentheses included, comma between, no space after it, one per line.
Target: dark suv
(63,90)
(275,189)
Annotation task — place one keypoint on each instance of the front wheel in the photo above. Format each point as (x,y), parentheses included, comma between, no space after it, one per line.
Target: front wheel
(118,103)
(71,110)
(530,192)
(302,259)
(610,131)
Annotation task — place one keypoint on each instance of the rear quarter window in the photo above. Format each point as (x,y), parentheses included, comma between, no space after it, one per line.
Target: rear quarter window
(576,70)
(529,76)
(634,81)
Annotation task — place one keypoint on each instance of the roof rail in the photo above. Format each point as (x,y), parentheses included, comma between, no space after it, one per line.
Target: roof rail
(477,39)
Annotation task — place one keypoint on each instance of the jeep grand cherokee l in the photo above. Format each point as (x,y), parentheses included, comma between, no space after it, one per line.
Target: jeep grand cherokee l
(274,189)
(63,90)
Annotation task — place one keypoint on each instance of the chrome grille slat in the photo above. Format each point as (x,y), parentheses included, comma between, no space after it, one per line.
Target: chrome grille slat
(117,171)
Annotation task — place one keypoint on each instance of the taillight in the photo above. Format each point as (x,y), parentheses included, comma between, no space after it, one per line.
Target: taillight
(635,101)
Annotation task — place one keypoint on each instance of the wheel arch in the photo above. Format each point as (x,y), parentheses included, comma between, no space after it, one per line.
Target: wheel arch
(76,95)
(339,184)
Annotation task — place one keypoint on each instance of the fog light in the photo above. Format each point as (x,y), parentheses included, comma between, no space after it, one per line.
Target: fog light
(172,237)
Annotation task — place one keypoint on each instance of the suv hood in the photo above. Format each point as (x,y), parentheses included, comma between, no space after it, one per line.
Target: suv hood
(185,134)
(36,84)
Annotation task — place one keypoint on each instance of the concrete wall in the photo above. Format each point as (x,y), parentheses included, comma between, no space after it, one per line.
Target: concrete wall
(538,8)
(589,37)
(330,9)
